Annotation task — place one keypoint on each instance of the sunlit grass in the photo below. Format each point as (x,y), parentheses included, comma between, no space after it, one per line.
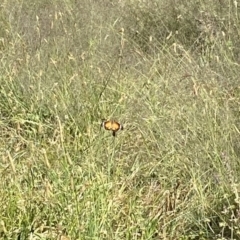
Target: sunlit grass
(172,173)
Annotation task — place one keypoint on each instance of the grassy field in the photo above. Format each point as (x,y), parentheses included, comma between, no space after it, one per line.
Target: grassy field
(169,71)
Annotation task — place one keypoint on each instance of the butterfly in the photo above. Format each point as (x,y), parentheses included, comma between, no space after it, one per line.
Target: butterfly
(112,125)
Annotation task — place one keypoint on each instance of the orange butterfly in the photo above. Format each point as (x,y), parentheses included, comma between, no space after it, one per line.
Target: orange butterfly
(112,125)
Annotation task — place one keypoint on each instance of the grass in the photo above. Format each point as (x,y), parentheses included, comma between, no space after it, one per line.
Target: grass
(167,71)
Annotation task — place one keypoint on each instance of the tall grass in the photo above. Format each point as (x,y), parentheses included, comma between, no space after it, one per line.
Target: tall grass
(168,71)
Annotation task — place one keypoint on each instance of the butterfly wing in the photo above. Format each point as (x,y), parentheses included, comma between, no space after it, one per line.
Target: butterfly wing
(107,125)
(113,126)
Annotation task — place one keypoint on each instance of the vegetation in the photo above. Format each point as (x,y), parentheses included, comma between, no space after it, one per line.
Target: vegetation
(168,71)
